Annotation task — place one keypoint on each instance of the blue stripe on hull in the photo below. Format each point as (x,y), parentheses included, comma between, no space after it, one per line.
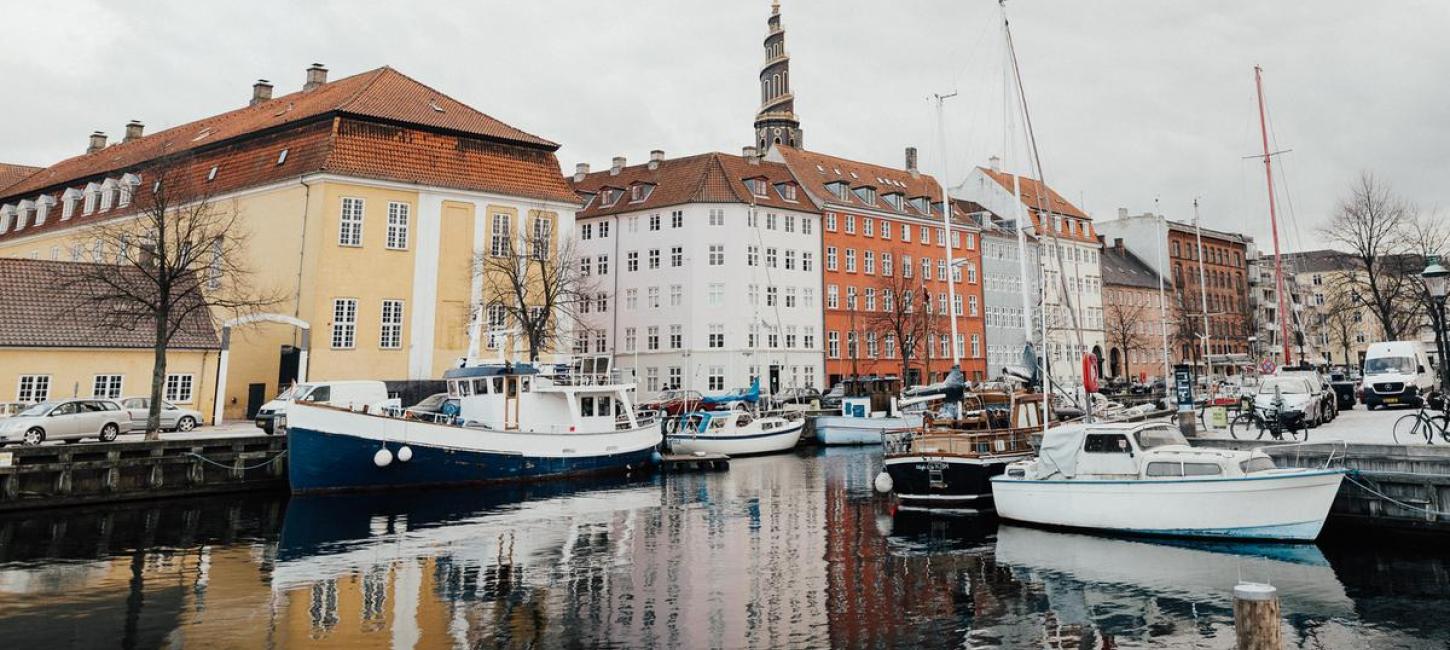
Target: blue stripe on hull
(320,462)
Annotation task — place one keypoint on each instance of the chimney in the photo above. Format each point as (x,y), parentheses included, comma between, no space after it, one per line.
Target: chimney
(656,157)
(98,142)
(749,153)
(617,167)
(1118,244)
(911,161)
(261,92)
(133,130)
(995,162)
(316,76)
(580,171)
(1122,213)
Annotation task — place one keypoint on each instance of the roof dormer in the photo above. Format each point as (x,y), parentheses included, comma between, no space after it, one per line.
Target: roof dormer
(93,196)
(129,183)
(43,204)
(866,193)
(639,191)
(22,213)
(108,193)
(894,199)
(838,189)
(68,201)
(788,191)
(7,216)
(608,196)
(921,204)
(759,187)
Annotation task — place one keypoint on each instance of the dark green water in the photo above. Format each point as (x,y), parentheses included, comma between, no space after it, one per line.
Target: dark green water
(782,551)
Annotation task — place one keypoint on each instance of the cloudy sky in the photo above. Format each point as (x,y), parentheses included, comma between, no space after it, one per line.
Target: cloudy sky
(1134,100)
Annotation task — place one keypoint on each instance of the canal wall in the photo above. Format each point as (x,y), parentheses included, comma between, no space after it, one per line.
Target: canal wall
(63,475)
(1402,487)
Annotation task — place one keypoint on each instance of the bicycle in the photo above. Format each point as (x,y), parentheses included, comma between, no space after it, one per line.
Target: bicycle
(1422,425)
(1268,420)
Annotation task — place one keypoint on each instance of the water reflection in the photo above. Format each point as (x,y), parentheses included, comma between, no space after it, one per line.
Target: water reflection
(784,551)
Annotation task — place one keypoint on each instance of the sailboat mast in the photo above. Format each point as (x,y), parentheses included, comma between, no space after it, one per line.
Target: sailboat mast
(946,220)
(1202,289)
(1273,218)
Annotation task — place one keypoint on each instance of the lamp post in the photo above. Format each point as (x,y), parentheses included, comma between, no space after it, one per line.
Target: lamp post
(1437,281)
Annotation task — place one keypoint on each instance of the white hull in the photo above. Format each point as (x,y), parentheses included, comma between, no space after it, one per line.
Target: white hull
(745,444)
(1280,504)
(843,430)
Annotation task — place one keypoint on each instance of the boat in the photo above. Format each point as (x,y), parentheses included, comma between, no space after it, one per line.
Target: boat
(735,432)
(513,422)
(1144,479)
(869,408)
(949,464)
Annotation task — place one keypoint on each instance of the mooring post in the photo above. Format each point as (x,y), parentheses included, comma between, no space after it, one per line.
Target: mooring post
(1256,616)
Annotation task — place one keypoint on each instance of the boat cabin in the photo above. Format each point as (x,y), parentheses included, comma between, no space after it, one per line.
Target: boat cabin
(587,396)
(1145,450)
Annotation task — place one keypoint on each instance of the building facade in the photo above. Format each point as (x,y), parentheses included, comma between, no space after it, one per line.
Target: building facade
(708,272)
(363,203)
(1010,308)
(1071,269)
(1134,312)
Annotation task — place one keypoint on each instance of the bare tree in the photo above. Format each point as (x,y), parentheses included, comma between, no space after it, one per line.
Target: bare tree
(1368,225)
(185,259)
(1188,310)
(1340,322)
(1122,325)
(904,319)
(535,286)
(1423,237)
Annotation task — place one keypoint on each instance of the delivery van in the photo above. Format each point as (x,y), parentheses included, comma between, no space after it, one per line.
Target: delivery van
(354,395)
(1395,372)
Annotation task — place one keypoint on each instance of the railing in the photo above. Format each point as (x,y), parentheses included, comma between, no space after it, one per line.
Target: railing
(986,443)
(611,378)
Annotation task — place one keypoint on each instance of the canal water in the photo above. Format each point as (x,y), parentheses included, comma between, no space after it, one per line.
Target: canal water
(789,551)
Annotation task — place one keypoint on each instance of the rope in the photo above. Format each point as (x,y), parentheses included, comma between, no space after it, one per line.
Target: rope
(264,463)
(1386,497)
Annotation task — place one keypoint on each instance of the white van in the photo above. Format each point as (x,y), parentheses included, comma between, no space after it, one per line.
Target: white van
(1395,372)
(355,395)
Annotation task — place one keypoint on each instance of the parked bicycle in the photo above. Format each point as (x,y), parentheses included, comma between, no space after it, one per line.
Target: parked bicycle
(1424,423)
(1256,421)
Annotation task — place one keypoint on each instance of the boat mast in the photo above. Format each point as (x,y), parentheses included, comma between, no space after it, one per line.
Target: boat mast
(1162,226)
(1202,290)
(946,220)
(1273,218)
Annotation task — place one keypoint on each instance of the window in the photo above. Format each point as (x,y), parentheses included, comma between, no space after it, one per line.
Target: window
(830,258)
(717,255)
(851,298)
(654,222)
(976,343)
(344,323)
(790,260)
(603,265)
(652,379)
(790,336)
(542,235)
(604,230)
(631,298)
(33,388)
(654,258)
(629,339)
(925,234)
(833,297)
(850,224)
(499,244)
(677,219)
(906,262)
(807,262)
(1106,443)
(716,378)
(787,191)
(833,345)
(770,221)
(390,335)
(677,256)
(716,294)
(906,233)
(586,231)
(654,297)
(585,264)
(631,261)
(850,260)
(870,298)
(677,295)
(752,293)
(789,297)
(885,229)
(106,386)
(771,257)
(805,225)
(652,338)
(831,222)
(790,223)
(677,337)
(350,224)
(770,294)
(675,374)
(808,340)
(868,227)
(178,388)
(757,186)
(398,225)
(639,192)
(867,195)
(971,273)
(717,335)
(971,305)
(717,217)
(868,262)
(871,349)
(752,256)
(886,264)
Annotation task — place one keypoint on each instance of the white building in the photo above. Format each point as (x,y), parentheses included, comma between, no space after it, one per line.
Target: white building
(1070,267)
(708,272)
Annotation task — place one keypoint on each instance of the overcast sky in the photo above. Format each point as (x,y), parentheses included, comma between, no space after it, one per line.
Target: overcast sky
(1132,99)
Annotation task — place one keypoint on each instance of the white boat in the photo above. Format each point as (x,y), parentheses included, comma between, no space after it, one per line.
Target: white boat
(735,433)
(513,422)
(860,430)
(1144,478)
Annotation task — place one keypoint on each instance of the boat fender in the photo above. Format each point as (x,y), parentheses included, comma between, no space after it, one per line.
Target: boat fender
(656,458)
(883,483)
(405,454)
(383,457)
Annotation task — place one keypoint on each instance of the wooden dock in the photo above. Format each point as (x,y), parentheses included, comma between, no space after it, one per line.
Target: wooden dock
(63,475)
(694,462)
(1401,487)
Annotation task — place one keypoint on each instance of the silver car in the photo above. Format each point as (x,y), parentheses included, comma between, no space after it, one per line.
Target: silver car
(66,419)
(173,417)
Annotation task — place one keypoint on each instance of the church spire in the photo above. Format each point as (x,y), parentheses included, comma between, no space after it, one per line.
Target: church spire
(776,122)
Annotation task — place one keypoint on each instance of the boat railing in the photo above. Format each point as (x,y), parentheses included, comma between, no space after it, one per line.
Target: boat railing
(576,379)
(1339,447)
(946,441)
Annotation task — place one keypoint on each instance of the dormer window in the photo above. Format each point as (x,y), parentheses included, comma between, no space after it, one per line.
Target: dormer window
(7,215)
(757,187)
(68,201)
(893,199)
(93,196)
(108,194)
(787,191)
(129,183)
(867,194)
(921,203)
(609,196)
(837,189)
(22,212)
(640,191)
(42,208)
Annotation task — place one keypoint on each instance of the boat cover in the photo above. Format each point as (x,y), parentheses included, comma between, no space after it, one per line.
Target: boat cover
(751,396)
(1060,447)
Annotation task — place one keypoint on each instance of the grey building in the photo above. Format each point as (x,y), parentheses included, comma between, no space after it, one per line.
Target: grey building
(1006,320)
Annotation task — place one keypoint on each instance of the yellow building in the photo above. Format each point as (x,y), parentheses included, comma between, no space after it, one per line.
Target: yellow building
(364,202)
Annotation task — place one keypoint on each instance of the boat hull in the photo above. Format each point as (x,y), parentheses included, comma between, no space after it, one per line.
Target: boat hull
(952,482)
(335,451)
(783,439)
(842,430)
(1287,505)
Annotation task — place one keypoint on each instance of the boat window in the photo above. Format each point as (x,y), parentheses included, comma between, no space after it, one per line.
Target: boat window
(497,386)
(1202,469)
(1161,469)
(586,406)
(463,388)
(511,388)
(717,423)
(603,407)
(1160,437)
(524,384)
(1106,443)
(1257,464)
(744,419)
(480,386)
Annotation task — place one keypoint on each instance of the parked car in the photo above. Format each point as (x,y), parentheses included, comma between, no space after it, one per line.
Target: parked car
(68,420)
(673,402)
(346,394)
(8,409)
(1314,377)
(173,417)
(1395,372)
(1301,397)
(1346,387)
(795,396)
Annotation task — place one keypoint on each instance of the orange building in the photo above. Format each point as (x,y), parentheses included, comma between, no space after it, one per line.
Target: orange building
(886,269)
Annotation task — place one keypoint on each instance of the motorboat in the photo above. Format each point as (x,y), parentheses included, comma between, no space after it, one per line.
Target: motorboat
(949,464)
(870,407)
(512,422)
(735,432)
(1144,478)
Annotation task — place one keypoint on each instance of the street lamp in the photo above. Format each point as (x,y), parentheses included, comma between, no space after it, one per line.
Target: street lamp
(1437,281)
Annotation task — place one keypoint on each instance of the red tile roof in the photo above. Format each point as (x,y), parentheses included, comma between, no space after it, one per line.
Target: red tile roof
(38,313)
(382,94)
(816,171)
(11,174)
(705,178)
(1030,188)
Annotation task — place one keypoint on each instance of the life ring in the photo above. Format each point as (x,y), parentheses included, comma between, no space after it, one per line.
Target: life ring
(1090,373)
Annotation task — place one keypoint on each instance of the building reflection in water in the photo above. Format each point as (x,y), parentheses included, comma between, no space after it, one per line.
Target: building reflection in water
(783,551)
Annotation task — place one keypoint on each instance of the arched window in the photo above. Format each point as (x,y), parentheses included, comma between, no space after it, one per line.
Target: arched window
(775,85)
(785,82)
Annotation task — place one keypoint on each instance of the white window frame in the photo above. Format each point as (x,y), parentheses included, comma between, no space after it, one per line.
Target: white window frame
(107,386)
(350,222)
(500,232)
(398,218)
(32,388)
(390,328)
(344,323)
(179,388)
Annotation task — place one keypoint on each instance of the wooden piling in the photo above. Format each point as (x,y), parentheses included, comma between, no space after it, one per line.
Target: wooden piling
(1256,617)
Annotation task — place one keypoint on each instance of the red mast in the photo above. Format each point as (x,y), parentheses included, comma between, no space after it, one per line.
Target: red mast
(1273,219)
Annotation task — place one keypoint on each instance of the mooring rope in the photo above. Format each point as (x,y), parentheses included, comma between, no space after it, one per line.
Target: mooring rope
(1351,478)
(264,463)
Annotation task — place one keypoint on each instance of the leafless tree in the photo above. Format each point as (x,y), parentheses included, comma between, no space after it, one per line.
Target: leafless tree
(1188,330)
(1423,237)
(536,286)
(1339,318)
(1122,325)
(185,258)
(1369,226)
(904,318)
